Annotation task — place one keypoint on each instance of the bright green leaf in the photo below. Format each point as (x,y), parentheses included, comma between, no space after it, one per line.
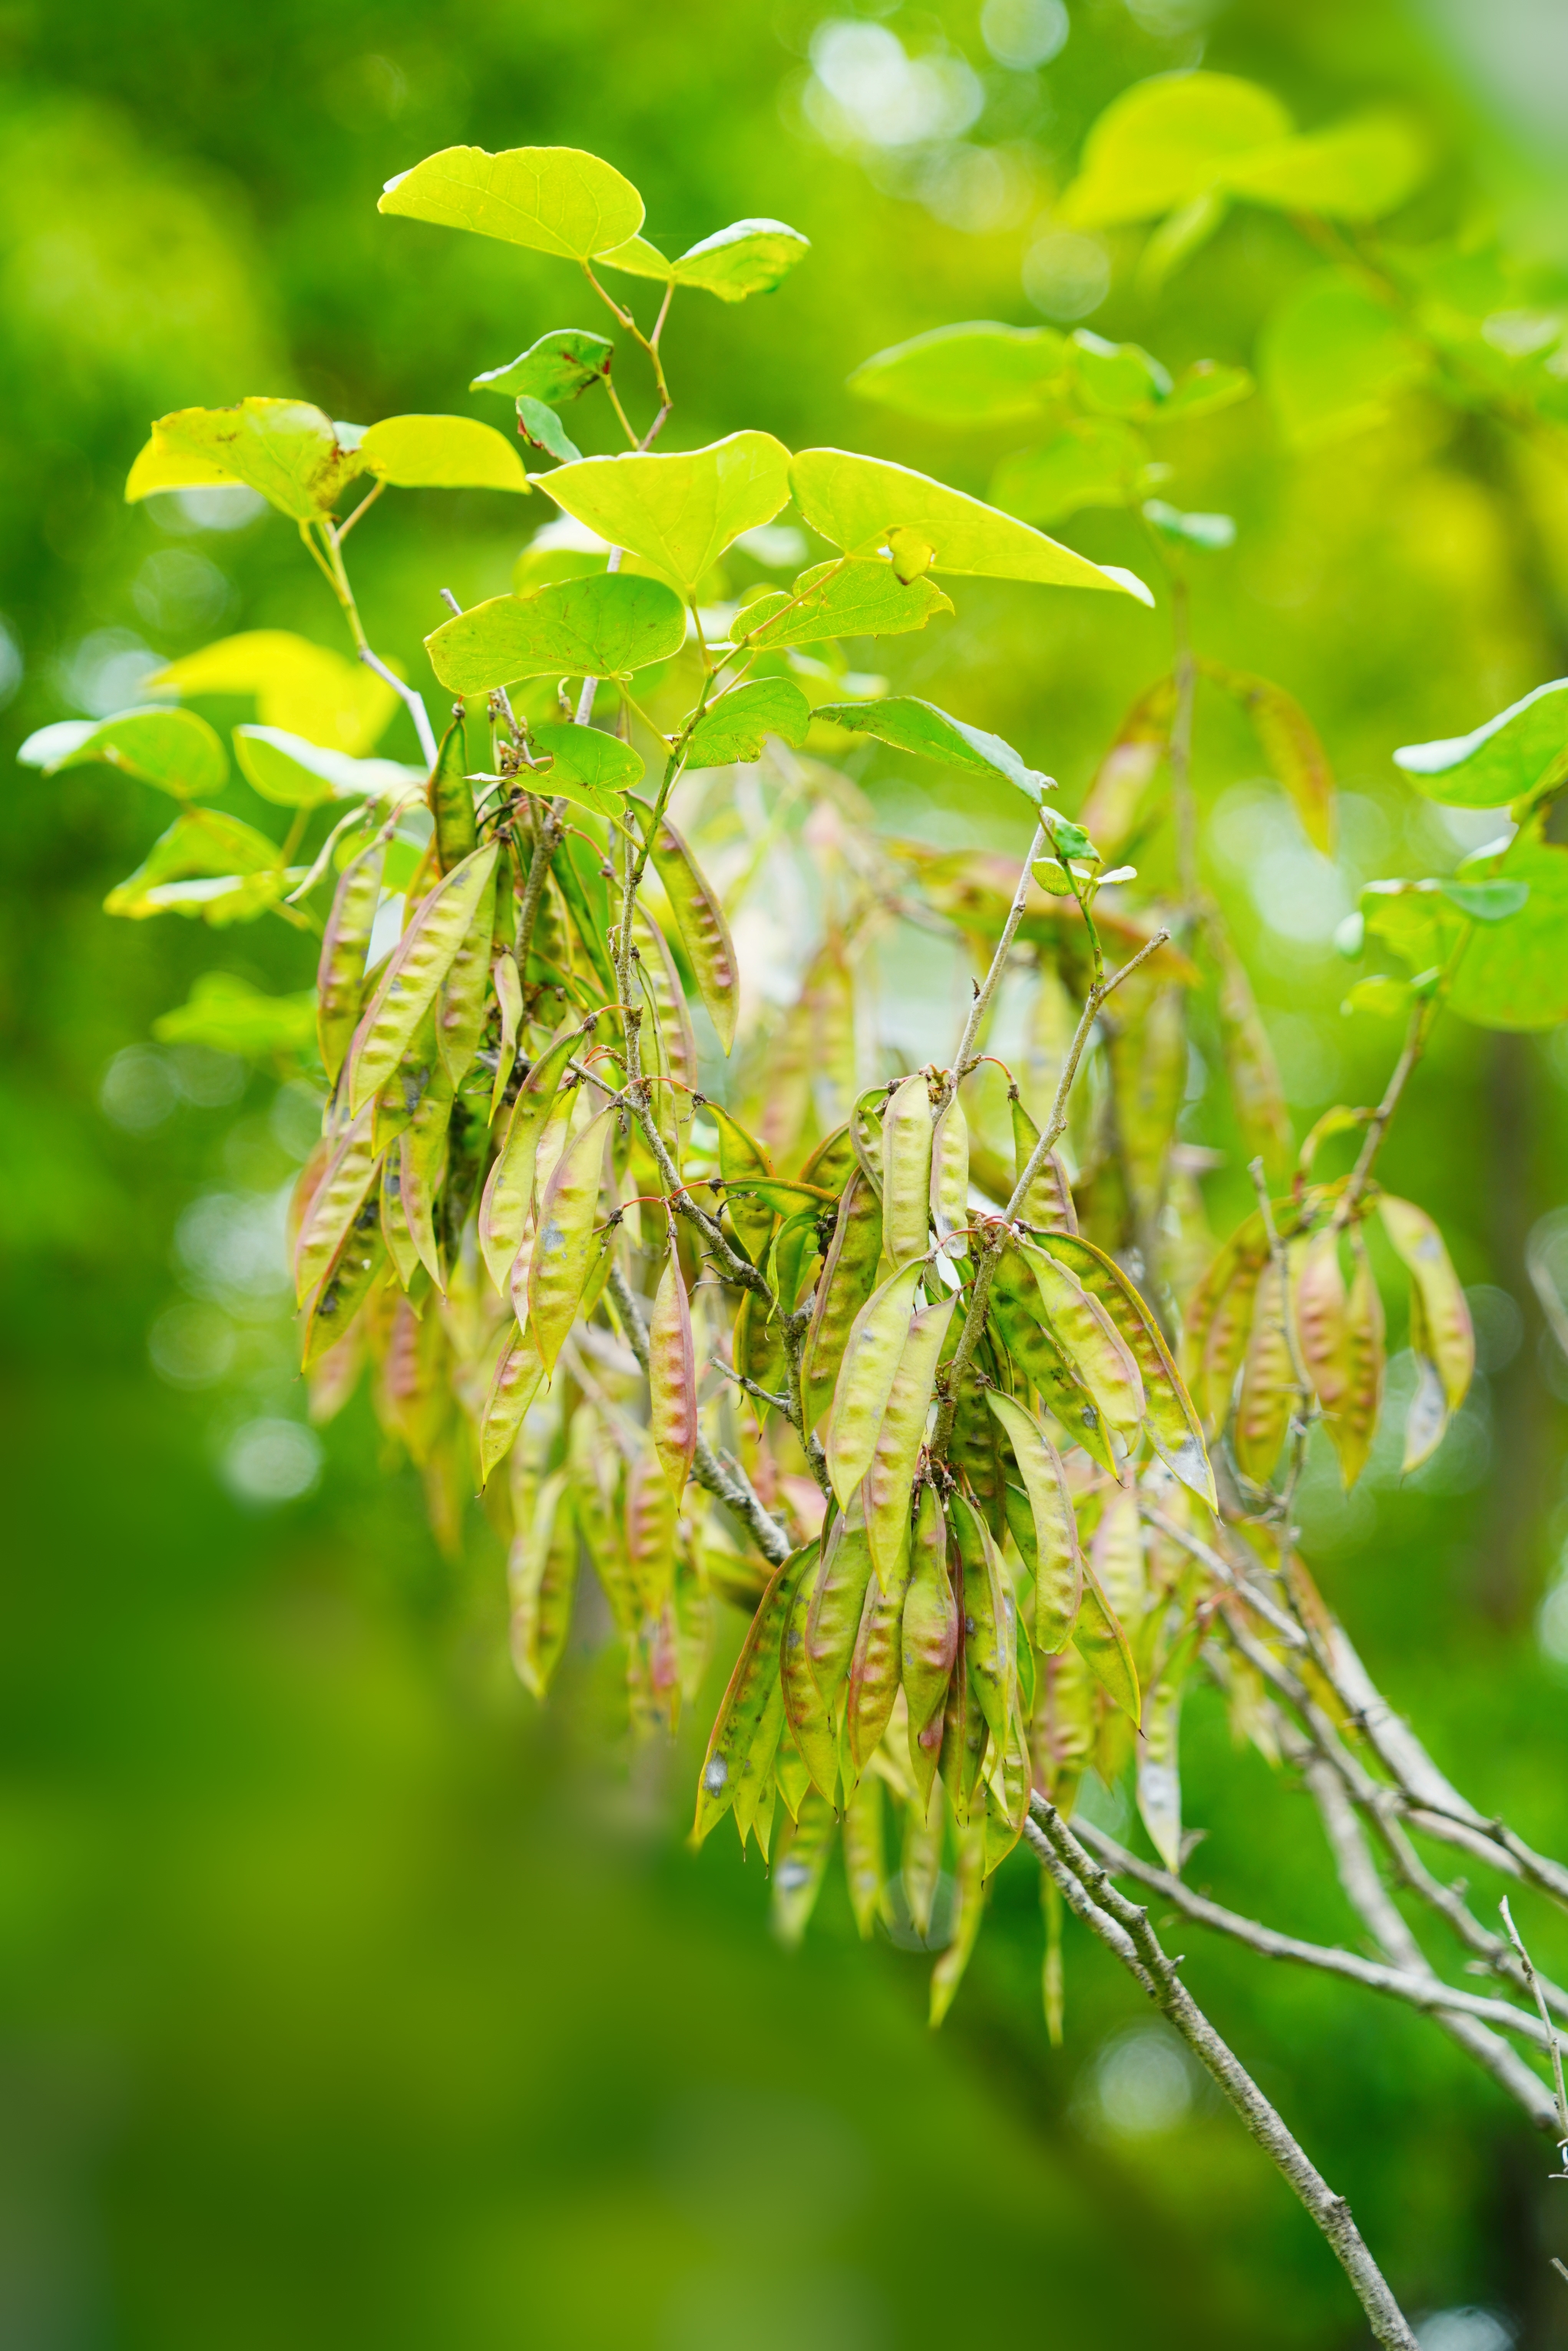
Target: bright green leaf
(205,846)
(864,598)
(1523,749)
(558,367)
(678,512)
(1357,171)
(1513,974)
(909,725)
(982,373)
(1413,919)
(172,749)
(552,199)
(1167,141)
(296,456)
(228,1015)
(1332,357)
(601,626)
(543,428)
(751,256)
(855,502)
(303,688)
(736,725)
(1116,379)
(1209,531)
(1097,462)
(441,452)
(1383,995)
(1487,902)
(293,773)
(1201,390)
(588,758)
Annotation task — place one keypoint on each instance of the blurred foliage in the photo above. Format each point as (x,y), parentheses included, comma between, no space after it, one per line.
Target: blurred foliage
(344,1994)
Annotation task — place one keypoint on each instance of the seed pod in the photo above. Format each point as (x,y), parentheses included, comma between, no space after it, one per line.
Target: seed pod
(450,798)
(509,1189)
(699,917)
(1100,1636)
(968,1906)
(460,997)
(1219,1318)
(1058,1561)
(673,1377)
(847,1279)
(864,1383)
(1086,1334)
(987,1617)
(340,975)
(758,1348)
(1445,1315)
(394,1222)
(837,1600)
(1427,1421)
(975,1448)
(906,1172)
(575,871)
(541,1571)
(1117,1558)
(413,1390)
(890,1472)
(1007,1788)
(420,1153)
(509,989)
(804,1854)
(1256,1093)
(919,1871)
(740,1157)
(864,1862)
(1320,1320)
(1159,1772)
(797,1245)
(1171,1418)
(1267,1383)
(928,1639)
(594,1463)
(1015,1311)
(875,1669)
(865,1135)
(564,1249)
(1047,1206)
(358,1264)
(1061,1733)
(520,1376)
(672,1024)
(951,1175)
(965,1736)
(831,1162)
(805,1708)
(792,1775)
(738,1767)
(650,1532)
(336,1202)
(416,969)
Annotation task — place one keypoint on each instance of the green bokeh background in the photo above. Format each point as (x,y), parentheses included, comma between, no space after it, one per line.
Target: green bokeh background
(347,1998)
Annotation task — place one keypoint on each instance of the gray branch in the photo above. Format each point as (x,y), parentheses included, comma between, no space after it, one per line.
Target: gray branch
(1124,1926)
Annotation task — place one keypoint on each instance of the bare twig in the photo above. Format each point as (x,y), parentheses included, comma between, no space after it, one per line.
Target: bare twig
(1527,1964)
(413,703)
(985,989)
(1102,1906)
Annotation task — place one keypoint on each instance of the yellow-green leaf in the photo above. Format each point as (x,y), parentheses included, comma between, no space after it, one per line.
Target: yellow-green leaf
(601,626)
(1167,141)
(552,199)
(228,1015)
(441,452)
(173,749)
(678,513)
(861,598)
(558,367)
(751,256)
(303,688)
(293,773)
(290,451)
(979,373)
(738,724)
(856,502)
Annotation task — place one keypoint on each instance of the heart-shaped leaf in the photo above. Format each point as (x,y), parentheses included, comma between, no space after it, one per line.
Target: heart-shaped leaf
(303,688)
(1523,747)
(441,452)
(601,626)
(1513,973)
(679,513)
(751,256)
(1167,141)
(586,759)
(293,773)
(172,749)
(558,367)
(1359,170)
(909,725)
(981,373)
(1093,462)
(539,424)
(293,453)
(736,725)
(553,199)
(858,503)
(862,598)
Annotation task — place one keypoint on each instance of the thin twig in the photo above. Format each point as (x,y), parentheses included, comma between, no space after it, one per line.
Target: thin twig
(1527,1964)
(413,703)
(986,988)
(1077,1873)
